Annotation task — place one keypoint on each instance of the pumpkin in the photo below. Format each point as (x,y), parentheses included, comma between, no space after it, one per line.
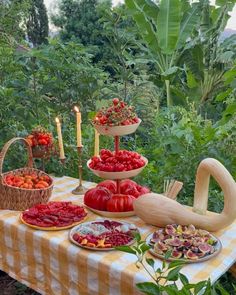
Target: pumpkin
(156,209)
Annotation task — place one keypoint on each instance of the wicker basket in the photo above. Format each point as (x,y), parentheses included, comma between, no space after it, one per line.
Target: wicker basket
(15,198)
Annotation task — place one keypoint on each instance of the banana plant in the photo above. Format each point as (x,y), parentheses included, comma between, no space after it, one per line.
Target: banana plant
(207,57)
(165,27)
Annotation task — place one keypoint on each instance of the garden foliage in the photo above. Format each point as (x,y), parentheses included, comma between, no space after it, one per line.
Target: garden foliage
(181,79)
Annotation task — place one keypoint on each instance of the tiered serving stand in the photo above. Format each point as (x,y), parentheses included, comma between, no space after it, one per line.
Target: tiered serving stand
(117,132)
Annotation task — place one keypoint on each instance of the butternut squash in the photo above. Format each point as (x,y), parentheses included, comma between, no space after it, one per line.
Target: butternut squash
(156,209)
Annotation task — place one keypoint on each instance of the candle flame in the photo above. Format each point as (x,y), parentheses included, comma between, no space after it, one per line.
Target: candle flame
(76,109)
(57,120)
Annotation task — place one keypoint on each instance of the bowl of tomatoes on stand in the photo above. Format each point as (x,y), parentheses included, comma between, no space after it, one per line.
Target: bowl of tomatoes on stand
(117,165)
(117,119)
(114,197)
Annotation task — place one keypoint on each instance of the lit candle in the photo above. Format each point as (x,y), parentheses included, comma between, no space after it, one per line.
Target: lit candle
(78,126)
(60,141)
(96,143)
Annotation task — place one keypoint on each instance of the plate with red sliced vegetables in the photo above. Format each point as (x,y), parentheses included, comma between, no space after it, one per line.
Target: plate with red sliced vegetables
(54,216)
(103,234)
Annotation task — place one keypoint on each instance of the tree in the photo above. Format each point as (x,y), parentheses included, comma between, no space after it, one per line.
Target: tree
(207,57)
(37,25)
(13,15)
(80,20)
(170,27)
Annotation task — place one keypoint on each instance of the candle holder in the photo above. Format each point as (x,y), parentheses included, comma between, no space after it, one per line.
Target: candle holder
(80,189)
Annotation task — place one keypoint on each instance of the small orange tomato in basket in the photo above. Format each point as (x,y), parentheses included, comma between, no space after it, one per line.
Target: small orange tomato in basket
(28,181)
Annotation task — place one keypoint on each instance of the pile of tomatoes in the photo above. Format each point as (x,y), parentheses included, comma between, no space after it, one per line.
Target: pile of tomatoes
(110,161)
(104,197)
(117,114)
(54,214)
(28,180)
(41,137)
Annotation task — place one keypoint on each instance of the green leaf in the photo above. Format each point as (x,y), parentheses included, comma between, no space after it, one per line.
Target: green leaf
(168,254)
(230,75)
(126,249)
(183,279)
(137,237)
(176,263)
(170,290)
(223,95)
(144,247)
(192,83)
(150,261)
(173,274)
(170,71)
(149,288)
(188,23)
(144,24)
(168,25)
(222,290)
(199,286)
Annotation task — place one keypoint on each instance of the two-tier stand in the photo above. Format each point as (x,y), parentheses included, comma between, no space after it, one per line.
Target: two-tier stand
(116,132)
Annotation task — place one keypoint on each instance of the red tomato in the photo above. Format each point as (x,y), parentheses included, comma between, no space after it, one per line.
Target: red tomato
(42,142)
(120,203)
(143,190)
(129,187)
(109,184)
(97,198)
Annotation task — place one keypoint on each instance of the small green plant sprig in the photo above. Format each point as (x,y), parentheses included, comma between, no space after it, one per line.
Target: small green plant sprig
(165,279)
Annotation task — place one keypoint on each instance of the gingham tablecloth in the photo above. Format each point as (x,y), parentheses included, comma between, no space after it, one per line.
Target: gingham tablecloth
(48,263)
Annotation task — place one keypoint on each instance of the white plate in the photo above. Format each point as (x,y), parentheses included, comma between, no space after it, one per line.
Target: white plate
(75,229)
(112,214)
(217,247)
(118,175)
(117,130)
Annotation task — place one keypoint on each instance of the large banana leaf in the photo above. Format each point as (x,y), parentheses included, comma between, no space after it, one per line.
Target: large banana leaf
(188,23)
(168,24)
(143,11)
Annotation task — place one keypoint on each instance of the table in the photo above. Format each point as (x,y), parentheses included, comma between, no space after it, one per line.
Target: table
(48,263)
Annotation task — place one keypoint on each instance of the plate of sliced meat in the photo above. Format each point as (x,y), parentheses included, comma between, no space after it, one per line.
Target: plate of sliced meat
(54,216)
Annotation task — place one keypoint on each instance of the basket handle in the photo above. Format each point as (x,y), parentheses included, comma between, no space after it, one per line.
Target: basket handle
(8,144)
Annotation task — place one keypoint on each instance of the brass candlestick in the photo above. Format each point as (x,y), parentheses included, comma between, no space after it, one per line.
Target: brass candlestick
(80,189)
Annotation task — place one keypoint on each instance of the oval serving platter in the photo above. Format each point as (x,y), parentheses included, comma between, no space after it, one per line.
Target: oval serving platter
(112,214)
(217,247)
(76,228)
(53,228)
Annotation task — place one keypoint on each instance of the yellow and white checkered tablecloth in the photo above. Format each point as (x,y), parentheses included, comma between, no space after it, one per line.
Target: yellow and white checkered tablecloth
(51,265)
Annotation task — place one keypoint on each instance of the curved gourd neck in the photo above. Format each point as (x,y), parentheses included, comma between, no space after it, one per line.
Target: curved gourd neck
(211,167)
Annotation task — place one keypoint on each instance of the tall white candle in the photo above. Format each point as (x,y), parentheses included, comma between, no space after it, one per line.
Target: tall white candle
(60,140)
(96,143)
(78,126)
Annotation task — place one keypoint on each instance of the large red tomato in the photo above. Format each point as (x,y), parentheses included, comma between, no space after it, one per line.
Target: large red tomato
(120,203)
(143,190)
(129,187)
(97,198)
(109,184)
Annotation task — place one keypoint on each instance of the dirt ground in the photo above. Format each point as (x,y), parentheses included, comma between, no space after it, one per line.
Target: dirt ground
(9,286)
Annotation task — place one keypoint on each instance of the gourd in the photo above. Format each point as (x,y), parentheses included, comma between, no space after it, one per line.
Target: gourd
(156,209)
